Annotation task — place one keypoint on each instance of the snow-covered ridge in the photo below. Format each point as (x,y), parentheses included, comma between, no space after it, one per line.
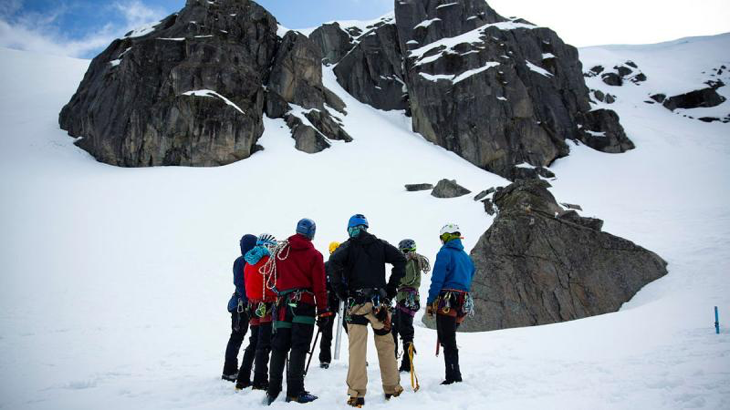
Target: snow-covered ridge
(362,25)
(213,94)
(456,78)
(470,37)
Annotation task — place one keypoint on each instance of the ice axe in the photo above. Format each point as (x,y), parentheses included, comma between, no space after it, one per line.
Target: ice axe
(311,352)
(341,314)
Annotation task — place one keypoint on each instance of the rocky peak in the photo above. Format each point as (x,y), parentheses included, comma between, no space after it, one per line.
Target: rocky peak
(192,88)
(422,22)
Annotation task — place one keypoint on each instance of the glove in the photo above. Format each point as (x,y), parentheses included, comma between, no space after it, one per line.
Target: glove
(323,319)
(430,310)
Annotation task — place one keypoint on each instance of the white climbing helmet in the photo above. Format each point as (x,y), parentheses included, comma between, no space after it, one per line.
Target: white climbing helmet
(450,228)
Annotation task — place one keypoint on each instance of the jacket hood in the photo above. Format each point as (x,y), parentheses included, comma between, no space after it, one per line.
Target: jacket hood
(247,243)
(299,242)
(256,253)
(455,244)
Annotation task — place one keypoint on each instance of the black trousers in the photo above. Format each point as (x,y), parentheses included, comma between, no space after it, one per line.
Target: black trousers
(294,337)
(403,327)
(446,329)
(244,373)
(239,327)
(263,348)
(325,345)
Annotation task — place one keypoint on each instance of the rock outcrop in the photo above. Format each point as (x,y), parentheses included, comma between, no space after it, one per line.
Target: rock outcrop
(499,92)
(191,90)
(418,187)
(539,264)
(705,97)
(449,189)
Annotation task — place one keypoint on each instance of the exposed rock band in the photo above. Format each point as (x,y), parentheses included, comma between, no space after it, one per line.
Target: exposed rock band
(284,288)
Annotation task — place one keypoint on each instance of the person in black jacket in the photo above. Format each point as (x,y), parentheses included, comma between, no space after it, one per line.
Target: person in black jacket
(360,263)
(237,307)
(325,344)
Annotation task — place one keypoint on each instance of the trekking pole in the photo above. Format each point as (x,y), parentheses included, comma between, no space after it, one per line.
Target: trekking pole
(311,352)
(341,314)
(717,322)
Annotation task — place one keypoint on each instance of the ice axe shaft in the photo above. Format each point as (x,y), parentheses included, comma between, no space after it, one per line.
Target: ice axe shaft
(311,352)
(438,345)
(341,315)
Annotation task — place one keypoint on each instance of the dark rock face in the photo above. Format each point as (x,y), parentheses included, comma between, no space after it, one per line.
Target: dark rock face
(449,189)
(611,138)
(418,187)
(535,268)
(333,41)
(372,70)
(134,109)
(499,92)
(190,91)
(706,97)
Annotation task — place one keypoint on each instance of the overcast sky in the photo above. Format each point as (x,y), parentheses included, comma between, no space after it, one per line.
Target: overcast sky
(82,28)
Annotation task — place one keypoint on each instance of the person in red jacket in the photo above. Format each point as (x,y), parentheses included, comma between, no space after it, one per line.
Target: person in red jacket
(301,286)
(261,298)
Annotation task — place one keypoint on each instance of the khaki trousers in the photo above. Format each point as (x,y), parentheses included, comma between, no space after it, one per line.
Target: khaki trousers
(357,375)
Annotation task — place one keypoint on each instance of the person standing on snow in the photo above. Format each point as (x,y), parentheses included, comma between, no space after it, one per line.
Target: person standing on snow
(261,302)
(360,263)
(325,345)
(448,296)
(302,295)
(408,301)
(239,315)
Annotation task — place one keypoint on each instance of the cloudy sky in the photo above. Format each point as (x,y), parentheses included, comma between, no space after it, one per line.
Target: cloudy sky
(82,28)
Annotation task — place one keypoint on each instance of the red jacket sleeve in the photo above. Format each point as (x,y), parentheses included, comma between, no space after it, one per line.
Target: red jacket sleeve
(319,283)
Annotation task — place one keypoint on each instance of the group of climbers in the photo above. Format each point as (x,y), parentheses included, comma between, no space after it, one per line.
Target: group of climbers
(284,288)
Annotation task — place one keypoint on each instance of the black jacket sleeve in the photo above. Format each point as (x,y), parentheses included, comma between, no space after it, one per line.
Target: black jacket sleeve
(398,260)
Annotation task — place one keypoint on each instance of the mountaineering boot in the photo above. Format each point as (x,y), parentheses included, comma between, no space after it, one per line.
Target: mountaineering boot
(356,402)
(396,393)
(405,365)
(270,398)
(242,384)
(261,386)
(229,377)
(324,365)
(303,397)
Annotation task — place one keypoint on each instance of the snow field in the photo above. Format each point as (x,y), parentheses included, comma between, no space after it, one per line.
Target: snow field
(115,281)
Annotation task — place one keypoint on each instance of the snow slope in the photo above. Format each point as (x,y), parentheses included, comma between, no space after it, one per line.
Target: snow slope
(115,281)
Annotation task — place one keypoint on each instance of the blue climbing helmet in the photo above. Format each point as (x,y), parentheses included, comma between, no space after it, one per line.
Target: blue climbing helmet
(306,227)
(357,224)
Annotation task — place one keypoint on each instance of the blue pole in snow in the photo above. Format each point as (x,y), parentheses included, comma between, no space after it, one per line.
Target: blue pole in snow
(717,322)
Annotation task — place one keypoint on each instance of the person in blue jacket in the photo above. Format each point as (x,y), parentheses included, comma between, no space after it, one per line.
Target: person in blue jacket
(239,316)
(448,296)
